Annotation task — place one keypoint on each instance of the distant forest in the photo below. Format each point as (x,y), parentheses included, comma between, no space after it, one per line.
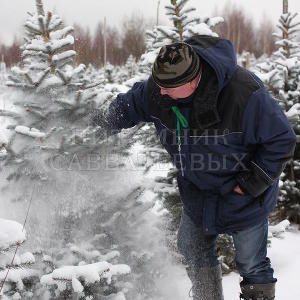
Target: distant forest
(239,27)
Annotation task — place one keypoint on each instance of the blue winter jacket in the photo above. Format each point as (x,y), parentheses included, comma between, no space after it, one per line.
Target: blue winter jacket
(237,135)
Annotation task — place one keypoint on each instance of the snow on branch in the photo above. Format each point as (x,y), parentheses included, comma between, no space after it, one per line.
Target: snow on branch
(32,27)
(212,22)
(84,275)
(201,29)
(32,132)
(11,234)
(279,229)
(59,34)
(55,23)
(64,56)
(17,276)
(58,44)
(293,114)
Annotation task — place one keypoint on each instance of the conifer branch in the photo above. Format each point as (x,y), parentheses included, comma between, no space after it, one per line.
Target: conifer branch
(42,77)
(62,76)
(49,17)
(78,97)
(32,29)
(26,265)
(29,79)
(40,8)
(41,24)
(7,113)
(92,85)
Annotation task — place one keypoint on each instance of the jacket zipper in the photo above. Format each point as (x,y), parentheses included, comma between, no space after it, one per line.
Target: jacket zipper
(180,159)
(181,120)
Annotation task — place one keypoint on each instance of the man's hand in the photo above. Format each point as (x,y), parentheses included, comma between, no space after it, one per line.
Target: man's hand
(238,190)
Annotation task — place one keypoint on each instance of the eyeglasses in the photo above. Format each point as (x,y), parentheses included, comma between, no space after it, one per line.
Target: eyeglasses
(189,83)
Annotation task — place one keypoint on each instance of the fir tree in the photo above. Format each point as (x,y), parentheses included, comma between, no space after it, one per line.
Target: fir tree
(54,95)
(184,25)
(48,56)
(17,275)
(81,198)
(281,74)
(51,141)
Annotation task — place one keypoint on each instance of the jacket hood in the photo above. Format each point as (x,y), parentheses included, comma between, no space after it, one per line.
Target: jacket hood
(218,53)
(218,64)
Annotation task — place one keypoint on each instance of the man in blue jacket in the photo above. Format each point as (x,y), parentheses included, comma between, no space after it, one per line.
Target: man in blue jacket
(230,142)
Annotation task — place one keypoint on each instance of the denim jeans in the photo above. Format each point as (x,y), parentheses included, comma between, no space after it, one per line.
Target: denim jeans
(199,250)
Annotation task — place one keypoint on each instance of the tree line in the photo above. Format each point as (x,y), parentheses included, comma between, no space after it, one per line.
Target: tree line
(130,38)
(240,28)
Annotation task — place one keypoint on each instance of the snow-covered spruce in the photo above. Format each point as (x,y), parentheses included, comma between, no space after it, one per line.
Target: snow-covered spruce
(53,94)
(47,58)
(185,24)
(48,150)
(15,272)
(79,279)
(281,72)
(281,75)
(85,213)
(11,234)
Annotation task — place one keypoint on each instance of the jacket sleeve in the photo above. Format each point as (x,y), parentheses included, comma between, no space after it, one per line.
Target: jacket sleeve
(125,111)
(267,128)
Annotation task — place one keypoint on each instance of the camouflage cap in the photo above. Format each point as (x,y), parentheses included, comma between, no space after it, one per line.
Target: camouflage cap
(175,65)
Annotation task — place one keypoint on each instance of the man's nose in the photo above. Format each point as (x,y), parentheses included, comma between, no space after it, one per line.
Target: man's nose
(163,91)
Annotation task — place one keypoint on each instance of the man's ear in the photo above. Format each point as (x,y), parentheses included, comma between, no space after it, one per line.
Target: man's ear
(194,84)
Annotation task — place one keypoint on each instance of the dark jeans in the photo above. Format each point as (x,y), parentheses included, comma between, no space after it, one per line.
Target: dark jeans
(250,245)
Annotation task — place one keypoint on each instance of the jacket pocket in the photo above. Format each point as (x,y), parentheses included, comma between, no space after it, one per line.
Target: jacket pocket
(235,208)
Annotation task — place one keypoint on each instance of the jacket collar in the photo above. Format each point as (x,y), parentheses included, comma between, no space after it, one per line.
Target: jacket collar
(203,107)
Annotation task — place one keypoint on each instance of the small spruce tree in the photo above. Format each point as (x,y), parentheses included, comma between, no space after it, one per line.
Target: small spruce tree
(281,75)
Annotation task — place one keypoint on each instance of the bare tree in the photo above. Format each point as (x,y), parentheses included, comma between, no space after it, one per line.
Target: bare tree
(12,53)
(115,54)
(133,41)
(98,46)
(264,39)
(240,29)
(83,45)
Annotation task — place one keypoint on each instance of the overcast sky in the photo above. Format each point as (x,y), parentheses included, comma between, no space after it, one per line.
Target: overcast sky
(89,12)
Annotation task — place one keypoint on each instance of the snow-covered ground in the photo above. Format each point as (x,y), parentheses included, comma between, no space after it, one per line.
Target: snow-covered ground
(174,283)
(283,254)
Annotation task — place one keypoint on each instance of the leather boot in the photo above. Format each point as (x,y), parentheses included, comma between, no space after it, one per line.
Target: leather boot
(206,283)
(258,291)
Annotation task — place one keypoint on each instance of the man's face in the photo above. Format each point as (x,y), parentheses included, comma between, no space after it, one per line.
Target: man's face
(182,91)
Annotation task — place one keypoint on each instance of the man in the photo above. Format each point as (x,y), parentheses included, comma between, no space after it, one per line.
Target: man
(230,142)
